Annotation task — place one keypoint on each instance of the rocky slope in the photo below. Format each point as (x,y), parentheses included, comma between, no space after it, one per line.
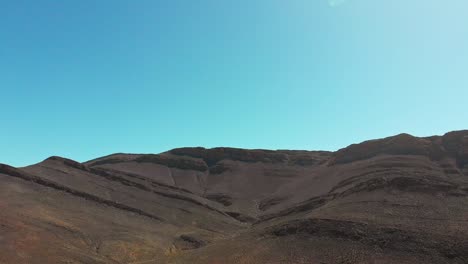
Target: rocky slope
(400,199)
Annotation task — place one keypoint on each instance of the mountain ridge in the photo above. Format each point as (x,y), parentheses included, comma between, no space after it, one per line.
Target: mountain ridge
(198,152)
(197,205)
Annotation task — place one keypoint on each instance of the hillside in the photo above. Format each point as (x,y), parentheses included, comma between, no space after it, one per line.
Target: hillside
(400,199)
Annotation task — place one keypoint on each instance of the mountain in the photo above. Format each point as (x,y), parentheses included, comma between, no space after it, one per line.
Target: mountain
(401,199)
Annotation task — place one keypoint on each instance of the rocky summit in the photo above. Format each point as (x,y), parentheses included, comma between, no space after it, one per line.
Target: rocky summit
(400,199)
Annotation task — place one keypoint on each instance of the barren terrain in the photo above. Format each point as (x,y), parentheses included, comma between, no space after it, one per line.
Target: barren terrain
(401,199)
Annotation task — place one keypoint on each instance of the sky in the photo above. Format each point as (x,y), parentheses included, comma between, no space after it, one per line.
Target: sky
(83,79)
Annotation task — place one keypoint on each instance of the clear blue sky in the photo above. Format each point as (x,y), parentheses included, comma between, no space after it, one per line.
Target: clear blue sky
(87,78)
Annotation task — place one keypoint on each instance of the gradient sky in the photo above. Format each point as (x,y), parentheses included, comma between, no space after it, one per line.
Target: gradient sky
(82,79)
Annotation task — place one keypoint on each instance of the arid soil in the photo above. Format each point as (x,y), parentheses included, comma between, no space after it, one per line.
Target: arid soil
(401,199)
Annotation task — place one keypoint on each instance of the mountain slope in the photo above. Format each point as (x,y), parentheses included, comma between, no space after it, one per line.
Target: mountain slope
(400,199)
